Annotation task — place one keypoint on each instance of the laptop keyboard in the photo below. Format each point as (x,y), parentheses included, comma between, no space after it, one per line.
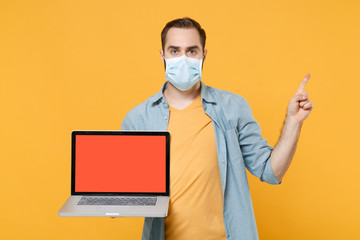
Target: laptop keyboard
(119,201)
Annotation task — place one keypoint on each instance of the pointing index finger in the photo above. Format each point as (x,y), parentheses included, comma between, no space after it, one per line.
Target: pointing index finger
(302,84)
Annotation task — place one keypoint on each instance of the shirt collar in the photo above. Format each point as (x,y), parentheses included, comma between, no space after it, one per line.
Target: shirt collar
(159,95)
(205,94)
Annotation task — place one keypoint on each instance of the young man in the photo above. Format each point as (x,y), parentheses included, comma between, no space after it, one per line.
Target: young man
(213,138)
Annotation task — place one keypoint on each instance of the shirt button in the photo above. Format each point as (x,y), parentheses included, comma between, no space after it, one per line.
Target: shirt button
(165,118)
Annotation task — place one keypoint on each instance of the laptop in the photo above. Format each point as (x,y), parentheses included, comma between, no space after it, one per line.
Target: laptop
(119,174)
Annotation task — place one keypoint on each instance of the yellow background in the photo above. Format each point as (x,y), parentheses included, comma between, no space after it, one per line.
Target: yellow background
(68,65)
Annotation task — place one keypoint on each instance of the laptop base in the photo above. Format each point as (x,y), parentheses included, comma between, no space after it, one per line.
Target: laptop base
(71,209)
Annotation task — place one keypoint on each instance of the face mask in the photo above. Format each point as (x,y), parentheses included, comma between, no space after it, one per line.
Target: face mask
(183,72)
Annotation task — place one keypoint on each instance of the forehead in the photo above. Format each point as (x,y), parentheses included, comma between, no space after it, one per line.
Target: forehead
(182,37)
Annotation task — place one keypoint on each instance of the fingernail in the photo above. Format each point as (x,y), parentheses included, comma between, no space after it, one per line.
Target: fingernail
(307,75)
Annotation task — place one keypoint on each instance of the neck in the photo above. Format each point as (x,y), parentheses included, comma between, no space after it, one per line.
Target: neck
(181,99)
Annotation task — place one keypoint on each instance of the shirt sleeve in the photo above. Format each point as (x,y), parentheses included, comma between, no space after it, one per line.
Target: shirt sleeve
(127,123)
(256,152)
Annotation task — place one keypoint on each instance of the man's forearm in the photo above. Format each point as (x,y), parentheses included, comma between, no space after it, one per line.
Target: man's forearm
(284,150)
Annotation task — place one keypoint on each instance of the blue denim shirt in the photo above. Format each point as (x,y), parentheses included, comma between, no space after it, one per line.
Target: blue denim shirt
(239,144)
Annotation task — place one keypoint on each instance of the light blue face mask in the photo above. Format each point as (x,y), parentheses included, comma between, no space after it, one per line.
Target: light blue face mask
(183,72)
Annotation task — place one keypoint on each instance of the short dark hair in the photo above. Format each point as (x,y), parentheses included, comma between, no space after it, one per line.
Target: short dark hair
(185,22)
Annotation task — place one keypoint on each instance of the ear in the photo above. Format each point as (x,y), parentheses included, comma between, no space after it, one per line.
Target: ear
(205,53)
(162,55)
(163,58)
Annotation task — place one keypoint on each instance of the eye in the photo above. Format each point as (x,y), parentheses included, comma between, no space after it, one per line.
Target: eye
(174,51)
(192,51)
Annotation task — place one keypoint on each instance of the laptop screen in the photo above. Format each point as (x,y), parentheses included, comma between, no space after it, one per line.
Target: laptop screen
(120,163)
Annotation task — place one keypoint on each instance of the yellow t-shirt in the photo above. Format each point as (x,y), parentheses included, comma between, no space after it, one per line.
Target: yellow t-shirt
(196,201)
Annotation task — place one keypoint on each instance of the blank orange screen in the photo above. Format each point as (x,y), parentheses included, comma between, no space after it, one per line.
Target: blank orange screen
(120,163)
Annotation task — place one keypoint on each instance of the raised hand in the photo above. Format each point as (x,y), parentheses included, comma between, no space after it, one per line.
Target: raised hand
(300,106)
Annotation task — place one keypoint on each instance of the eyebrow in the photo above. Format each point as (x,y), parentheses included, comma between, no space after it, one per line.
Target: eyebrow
(177,47)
